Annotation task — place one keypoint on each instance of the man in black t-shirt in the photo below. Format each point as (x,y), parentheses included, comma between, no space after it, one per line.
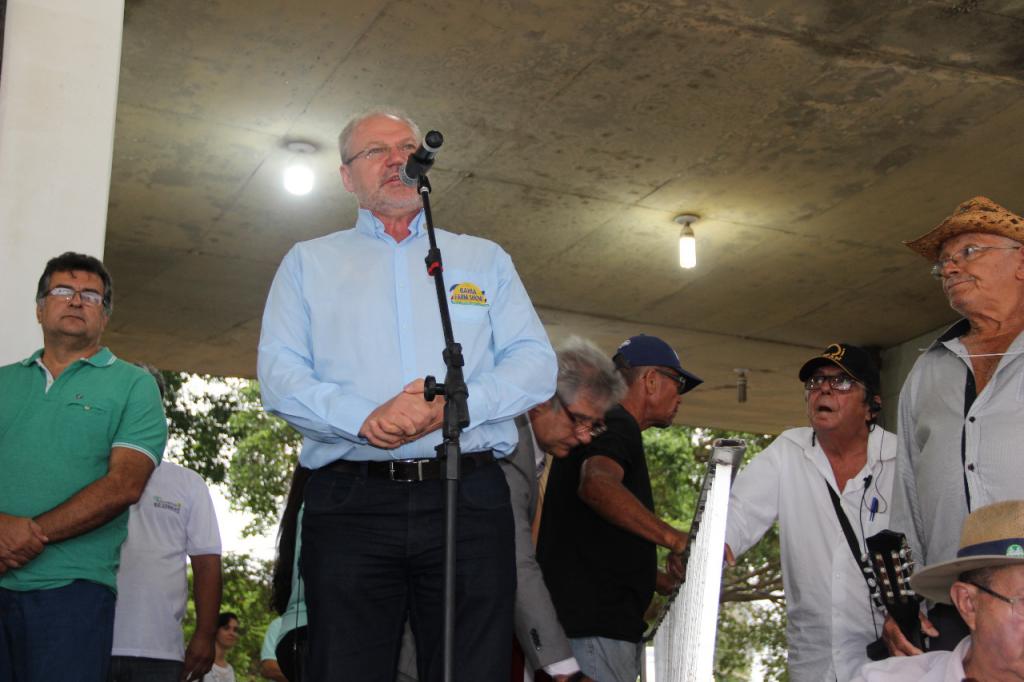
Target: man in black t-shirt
(598,533)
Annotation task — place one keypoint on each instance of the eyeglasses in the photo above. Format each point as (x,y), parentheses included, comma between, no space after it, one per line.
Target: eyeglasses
(581,422)
(382,151)
(837,382)
(89,298)
(1012,601)
(965,255)
(678,378)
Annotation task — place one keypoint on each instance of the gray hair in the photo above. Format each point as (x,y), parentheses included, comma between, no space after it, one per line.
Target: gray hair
(583,368)
(346,133)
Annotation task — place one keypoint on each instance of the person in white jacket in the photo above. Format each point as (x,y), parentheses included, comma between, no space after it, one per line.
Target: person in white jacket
(842,454)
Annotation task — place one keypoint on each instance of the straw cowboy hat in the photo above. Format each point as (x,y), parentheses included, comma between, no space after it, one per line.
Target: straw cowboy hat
(993,536)
(979,214)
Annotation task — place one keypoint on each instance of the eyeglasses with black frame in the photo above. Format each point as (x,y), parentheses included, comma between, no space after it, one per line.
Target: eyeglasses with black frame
(965,255)
(382,151)
(837,382)
(581,422)
(678,378)
(1016,603)
(88,297)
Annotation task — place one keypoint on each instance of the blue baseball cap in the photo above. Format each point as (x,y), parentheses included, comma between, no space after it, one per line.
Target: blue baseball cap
(650,351)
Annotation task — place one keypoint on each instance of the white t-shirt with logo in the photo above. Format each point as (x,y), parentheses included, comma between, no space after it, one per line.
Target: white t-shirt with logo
(173,518)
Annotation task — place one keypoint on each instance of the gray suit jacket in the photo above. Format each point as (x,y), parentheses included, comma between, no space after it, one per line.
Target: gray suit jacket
(537,628)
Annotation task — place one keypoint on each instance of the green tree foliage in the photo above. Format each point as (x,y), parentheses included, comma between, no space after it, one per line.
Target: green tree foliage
(266,451)
(246,594)
(752,615)
(222,432)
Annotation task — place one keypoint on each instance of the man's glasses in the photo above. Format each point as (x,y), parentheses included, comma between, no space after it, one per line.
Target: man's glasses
(382,151)
(837,382)
(965,255)
(1014,602)
(89,298)
(678,378)
(581,422)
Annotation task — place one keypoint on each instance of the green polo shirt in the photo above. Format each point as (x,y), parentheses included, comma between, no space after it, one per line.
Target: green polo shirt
(55,439)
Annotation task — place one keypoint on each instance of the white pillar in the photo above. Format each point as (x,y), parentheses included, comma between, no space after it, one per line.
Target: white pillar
(58,99)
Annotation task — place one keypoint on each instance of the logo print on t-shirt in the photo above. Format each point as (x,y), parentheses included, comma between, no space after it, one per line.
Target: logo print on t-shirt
(161,503)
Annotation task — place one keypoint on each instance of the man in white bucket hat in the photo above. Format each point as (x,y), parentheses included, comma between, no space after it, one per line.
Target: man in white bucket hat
(986,585)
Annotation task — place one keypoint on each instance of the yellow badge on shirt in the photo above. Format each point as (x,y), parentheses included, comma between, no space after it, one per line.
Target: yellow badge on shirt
(467,293)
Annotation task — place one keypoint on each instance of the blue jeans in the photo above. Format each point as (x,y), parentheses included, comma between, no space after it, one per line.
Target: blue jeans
(60,634)
(138,669)
(373,555)
(607,660)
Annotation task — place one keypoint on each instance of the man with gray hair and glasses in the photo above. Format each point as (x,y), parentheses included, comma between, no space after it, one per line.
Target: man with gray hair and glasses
(588,386)
(961,420)
(350,330)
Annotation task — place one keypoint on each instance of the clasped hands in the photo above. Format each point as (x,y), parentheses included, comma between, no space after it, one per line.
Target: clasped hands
(21,540)
(404,418)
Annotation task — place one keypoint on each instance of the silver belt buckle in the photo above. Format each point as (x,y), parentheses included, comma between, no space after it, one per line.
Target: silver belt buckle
(419,470)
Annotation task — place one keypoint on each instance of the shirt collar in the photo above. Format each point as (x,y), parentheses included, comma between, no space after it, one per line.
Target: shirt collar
(101,358)
(369,224)
(958,329)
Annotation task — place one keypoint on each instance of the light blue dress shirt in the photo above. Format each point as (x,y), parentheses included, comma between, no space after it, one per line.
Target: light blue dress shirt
(352,317)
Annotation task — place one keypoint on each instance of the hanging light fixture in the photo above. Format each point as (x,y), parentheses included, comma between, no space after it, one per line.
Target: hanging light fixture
(687,240)
(298,176)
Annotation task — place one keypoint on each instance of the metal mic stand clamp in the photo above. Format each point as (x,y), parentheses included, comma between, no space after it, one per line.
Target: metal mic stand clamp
(456,418)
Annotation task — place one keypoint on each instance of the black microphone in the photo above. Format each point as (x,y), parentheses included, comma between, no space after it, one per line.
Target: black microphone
(867,480)
(422,159)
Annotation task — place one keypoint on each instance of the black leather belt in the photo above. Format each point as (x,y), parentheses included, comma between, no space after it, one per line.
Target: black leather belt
(411,470)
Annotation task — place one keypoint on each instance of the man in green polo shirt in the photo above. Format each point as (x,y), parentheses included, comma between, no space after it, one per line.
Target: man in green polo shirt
(80,433)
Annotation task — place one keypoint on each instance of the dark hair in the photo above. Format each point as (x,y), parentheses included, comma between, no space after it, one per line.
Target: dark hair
(226,617)
(287,533)
(873,399)
(68,261)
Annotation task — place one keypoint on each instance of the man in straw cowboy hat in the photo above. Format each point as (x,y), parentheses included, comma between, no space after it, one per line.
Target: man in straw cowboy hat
(985,582)
(961,410)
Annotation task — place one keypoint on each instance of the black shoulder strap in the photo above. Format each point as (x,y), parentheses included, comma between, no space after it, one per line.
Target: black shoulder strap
(851,539)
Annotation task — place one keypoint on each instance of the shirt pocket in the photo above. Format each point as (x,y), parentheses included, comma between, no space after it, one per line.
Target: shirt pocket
(469,295)
(87,424)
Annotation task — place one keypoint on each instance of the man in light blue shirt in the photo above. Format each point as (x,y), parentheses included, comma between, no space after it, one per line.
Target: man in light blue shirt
(350,329)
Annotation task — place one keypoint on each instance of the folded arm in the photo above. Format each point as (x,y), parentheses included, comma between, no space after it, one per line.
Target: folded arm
(101,500)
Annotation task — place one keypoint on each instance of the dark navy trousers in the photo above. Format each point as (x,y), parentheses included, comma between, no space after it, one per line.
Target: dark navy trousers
(373,555)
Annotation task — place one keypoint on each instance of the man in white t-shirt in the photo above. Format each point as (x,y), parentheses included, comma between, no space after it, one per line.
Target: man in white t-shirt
(174,517)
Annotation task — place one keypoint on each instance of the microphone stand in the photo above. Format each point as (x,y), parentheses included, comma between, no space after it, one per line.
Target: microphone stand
(456,418)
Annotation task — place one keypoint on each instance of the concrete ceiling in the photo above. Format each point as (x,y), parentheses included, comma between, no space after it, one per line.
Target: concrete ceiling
(811,135)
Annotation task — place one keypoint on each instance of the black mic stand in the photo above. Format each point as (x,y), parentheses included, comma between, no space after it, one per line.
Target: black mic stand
(456,418)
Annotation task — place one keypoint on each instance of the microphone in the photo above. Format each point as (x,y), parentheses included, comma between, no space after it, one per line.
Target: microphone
(421,160)
(867,480)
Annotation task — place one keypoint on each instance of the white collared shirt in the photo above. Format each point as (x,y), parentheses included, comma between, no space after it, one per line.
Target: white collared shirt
(934,666)
(830,618)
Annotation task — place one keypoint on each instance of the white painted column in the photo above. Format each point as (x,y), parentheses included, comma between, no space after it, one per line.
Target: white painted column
(58,99)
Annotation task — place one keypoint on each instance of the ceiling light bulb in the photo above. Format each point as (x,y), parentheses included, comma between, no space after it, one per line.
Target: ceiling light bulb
(299,179)
(687,248)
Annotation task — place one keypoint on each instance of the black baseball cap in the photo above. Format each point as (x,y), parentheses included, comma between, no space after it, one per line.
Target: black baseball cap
(853,360)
